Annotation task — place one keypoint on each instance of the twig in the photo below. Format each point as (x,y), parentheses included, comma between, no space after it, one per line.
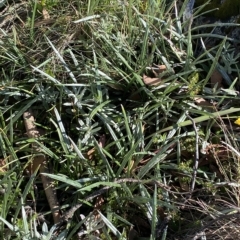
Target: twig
(195,167)
(40,161)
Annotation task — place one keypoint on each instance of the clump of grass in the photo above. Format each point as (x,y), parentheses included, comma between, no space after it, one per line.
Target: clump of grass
(123,153)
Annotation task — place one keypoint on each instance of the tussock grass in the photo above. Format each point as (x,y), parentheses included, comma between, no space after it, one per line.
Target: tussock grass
(123,153)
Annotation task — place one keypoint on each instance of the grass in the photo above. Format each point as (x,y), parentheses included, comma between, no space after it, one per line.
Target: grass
(127,159)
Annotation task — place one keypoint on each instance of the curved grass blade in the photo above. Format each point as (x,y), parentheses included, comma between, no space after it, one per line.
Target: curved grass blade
(198,120)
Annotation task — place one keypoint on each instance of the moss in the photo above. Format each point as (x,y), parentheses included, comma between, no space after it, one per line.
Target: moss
(226,10)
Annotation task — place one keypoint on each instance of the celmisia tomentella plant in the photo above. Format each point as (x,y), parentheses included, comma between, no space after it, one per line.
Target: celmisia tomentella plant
(127,159)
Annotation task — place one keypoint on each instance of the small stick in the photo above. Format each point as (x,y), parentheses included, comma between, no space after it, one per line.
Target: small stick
(40,162)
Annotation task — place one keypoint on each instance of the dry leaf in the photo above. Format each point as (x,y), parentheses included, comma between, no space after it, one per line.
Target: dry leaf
(151,81)
(101,143)
(161,68)
(158,69)
(205,104)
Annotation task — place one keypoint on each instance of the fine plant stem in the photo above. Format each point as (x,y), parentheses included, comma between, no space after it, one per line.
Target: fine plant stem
(196,160)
